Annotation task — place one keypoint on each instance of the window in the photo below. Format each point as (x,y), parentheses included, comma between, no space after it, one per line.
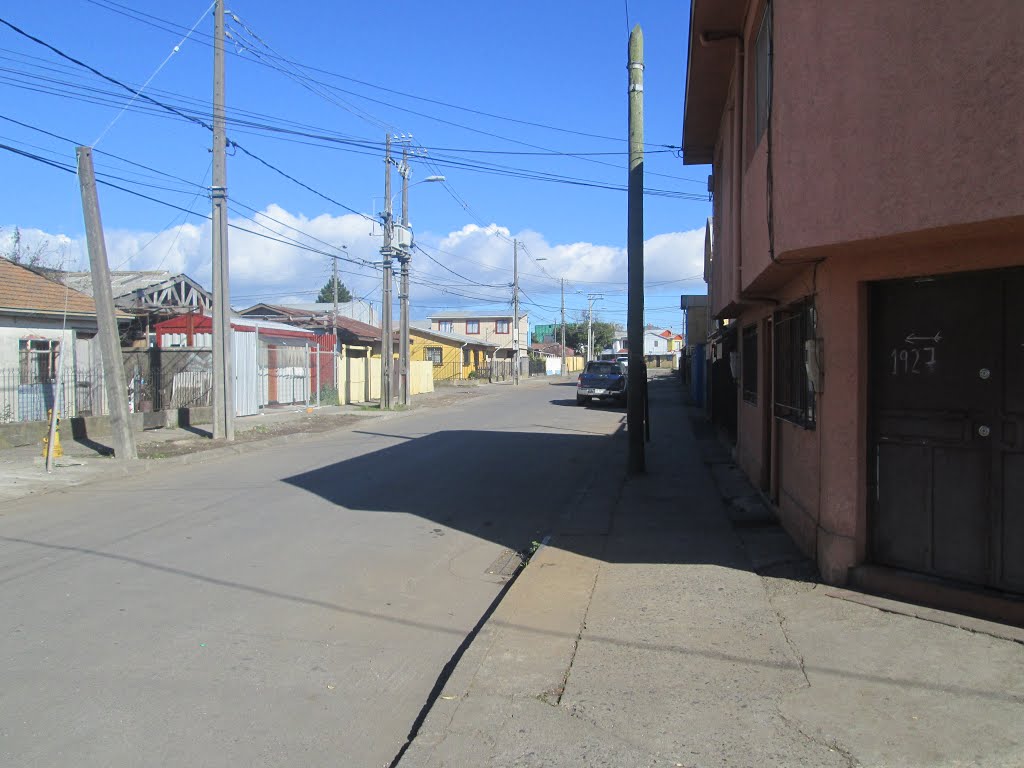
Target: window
(467,357)
(502,326)
(472,326)
(433,354)
(794,399)
(749,363)
(446,326)
(37,360)
(763,75)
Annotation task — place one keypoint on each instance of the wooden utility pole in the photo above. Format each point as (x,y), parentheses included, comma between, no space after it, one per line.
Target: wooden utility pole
(387,253)
(223,370)
(636,372)
(110,342)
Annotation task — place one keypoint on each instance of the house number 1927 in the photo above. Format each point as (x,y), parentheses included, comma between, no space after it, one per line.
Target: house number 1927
(912,360)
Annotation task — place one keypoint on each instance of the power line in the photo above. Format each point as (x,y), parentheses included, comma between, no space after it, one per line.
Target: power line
(178,112)
(450,162)
(156,21)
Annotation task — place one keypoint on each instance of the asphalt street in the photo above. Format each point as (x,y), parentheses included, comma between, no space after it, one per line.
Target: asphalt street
(290,606)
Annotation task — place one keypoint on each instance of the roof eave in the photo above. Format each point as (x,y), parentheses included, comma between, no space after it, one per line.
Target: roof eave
(708,73)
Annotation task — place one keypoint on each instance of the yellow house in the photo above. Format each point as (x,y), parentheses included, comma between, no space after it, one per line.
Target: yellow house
(455,357)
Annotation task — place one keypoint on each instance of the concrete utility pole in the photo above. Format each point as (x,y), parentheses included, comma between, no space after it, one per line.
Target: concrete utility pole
(387,253)
(515,311)
(334,318)
(223,370)
(591,298)
(636,372)
(404,257)
(563,327)
(110,343)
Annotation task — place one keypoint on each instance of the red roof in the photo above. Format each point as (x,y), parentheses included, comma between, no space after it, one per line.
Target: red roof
(23,290)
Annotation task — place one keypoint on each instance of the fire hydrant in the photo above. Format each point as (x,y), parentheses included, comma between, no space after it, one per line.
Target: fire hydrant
(57,450)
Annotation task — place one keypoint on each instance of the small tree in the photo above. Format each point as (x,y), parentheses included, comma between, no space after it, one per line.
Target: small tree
(31,256)
(326,295)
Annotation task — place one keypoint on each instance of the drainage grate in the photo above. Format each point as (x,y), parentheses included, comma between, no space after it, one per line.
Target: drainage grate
(508,562)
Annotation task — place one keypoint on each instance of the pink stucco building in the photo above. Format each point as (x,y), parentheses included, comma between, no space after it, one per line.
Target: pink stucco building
(866,269)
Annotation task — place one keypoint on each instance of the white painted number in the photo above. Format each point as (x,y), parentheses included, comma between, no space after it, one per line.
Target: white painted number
(911,360)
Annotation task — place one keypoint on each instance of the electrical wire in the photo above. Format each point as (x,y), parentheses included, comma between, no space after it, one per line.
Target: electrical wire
(174,50)
(173,28)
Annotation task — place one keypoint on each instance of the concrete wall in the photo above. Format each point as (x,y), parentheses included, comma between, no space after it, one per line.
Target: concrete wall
(892,117)
(87,427)
(866,147)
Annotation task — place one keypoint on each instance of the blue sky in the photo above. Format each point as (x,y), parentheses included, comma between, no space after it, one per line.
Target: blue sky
(340,76)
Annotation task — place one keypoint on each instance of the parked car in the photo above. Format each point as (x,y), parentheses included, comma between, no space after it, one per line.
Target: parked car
(622,360)
(602,379)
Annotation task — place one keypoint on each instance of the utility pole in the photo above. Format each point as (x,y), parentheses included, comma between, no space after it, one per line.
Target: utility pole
(636,371)
(563,327)
(110,345)
(223,379)
(591,298)
(387,253)
(515,311)
(334,319)
(404,256)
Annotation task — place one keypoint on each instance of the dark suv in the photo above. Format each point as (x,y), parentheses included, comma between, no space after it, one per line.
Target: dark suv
(601,379)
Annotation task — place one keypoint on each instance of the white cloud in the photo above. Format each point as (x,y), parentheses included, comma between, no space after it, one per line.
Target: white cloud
(265,270)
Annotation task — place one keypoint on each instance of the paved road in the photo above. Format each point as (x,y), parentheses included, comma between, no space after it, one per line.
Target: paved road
(292,606)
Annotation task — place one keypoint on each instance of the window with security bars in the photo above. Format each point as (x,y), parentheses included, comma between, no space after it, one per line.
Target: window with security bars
(749,363)
(37,360)
(433,354)
(794,398)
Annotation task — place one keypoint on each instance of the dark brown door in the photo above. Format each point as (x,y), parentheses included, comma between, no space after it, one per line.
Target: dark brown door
(947,399)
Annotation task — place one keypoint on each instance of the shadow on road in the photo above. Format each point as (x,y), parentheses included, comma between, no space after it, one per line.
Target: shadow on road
(514,488)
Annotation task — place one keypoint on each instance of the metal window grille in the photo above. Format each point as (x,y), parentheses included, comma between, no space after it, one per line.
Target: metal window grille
(433,354)
(749,363)
(37,360)
(794,399)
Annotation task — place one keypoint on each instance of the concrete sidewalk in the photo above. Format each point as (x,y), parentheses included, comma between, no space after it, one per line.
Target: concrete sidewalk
(670,622)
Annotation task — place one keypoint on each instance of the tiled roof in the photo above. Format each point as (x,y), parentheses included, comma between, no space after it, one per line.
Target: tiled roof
(25,291)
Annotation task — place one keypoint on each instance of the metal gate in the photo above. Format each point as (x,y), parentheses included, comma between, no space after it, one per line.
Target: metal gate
(947,427)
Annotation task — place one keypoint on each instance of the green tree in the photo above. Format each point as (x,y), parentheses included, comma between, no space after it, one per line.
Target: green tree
(326,295)
(576,334)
